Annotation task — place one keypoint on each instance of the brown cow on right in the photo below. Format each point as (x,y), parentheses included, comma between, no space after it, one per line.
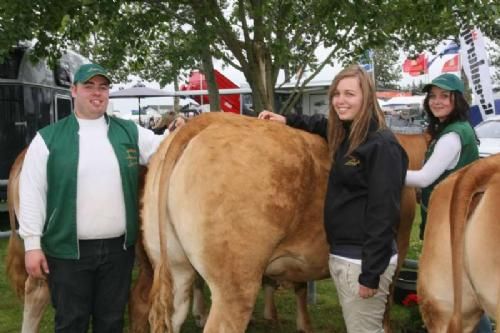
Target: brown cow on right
(459,270)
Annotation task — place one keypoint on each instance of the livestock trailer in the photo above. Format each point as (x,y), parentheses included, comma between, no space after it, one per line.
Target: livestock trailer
(32,95)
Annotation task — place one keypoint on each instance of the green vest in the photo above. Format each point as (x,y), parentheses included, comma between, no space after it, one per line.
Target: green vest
(468,154)
(60,237)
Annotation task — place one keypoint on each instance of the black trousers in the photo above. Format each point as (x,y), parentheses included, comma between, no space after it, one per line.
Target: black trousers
(95,286)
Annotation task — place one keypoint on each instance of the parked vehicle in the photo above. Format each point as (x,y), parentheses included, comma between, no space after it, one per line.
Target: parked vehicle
(488,133)
(32,95)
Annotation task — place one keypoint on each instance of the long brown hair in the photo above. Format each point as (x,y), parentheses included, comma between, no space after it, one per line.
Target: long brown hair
(370,111)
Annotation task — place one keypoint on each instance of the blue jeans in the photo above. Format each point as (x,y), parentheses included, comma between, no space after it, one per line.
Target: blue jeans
(95,286)
(484,325)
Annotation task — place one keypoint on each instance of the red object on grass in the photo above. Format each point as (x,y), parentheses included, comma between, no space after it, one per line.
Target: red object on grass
(410,300)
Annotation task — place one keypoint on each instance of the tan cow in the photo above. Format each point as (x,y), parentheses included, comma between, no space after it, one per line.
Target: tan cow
(235,198)
(462,227)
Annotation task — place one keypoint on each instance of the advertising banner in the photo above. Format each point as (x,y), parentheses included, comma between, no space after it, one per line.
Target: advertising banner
(475,64)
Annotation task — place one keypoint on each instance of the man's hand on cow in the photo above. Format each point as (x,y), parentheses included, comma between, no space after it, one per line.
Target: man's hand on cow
(178,122)
(36,264)
(268,115)
(365,292)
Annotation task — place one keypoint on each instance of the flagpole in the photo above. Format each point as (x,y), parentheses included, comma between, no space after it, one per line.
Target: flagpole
(372,61)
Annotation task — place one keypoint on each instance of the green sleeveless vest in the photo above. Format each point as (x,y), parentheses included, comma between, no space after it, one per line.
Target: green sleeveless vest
(60,237)
(469,153)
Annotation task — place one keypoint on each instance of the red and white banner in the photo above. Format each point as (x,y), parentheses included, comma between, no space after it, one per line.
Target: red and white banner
(417,66)
(451,65)
(475,65)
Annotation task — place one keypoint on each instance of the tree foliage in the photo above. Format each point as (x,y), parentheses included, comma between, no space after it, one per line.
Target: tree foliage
(387,69)
(159,40)
(495,56)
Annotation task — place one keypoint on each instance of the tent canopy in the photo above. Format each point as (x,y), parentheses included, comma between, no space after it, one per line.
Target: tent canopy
(139,92)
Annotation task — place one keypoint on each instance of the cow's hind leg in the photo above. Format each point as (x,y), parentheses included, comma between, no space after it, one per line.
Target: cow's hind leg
(303,320)
(183,275)
(199,307)
(269,285)
(139,303)
(36,299)
(497,315)
(232,305)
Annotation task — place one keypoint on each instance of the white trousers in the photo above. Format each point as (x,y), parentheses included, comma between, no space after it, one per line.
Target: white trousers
(360,314)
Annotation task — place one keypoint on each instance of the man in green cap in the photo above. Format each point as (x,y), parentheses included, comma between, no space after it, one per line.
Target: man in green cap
(79,207)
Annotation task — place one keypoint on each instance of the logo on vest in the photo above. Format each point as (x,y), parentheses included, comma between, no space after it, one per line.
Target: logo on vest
(131,157)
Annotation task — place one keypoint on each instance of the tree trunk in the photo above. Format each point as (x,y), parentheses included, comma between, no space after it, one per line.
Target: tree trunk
(259,76)
(208,68)
(176,88)
(204,42)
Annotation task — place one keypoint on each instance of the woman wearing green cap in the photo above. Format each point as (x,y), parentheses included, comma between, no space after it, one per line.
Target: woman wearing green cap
(453,140)
(453,144)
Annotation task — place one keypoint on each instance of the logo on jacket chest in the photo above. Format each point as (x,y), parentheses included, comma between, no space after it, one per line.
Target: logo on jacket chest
(352,161)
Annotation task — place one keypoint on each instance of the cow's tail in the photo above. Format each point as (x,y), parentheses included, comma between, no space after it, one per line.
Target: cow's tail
(161,292)
(16,270)
(471,181)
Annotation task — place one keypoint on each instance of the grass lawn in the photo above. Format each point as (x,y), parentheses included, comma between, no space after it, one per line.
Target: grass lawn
(325,314)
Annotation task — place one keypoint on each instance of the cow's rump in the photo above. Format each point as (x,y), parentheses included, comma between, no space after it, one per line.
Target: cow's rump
(238,197)
(462,229)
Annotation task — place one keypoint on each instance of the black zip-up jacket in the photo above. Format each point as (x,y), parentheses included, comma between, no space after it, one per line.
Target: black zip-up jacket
(362,203)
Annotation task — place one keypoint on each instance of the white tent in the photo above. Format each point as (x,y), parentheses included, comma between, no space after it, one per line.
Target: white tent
(404,101)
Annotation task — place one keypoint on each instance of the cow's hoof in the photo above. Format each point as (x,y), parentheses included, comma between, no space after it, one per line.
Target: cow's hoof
(200,321)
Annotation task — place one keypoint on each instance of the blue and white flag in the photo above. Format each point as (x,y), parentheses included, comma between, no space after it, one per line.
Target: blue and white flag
(366,61)
(452,48)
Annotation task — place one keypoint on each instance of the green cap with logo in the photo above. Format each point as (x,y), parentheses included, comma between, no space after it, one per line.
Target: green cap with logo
(88,71)
(446,81)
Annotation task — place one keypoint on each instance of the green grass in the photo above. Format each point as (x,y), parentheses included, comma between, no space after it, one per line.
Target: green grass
(325,314)
(415,242)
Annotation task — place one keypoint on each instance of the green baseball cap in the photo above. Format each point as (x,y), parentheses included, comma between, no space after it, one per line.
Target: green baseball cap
(446,81)
(88,71)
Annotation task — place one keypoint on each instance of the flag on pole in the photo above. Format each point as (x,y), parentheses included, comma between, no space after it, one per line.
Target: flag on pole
(452,48)
(417,66)
(451,65)
(366,60)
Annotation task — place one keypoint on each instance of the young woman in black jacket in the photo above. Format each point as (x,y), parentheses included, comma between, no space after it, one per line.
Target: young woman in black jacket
(362,203)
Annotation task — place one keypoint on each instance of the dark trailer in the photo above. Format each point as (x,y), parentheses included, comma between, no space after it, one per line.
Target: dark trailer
(32,95)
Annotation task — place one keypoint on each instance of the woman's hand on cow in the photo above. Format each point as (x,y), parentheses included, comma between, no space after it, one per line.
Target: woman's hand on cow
(365,292)
(268,115)
(36,264)
(178,122)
